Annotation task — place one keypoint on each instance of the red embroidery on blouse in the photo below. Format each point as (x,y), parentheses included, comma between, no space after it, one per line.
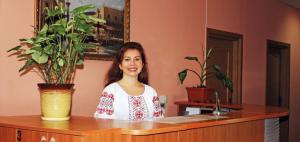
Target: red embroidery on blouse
(106,104)
(139,115)
(157,110)
(136,102)
(137,108)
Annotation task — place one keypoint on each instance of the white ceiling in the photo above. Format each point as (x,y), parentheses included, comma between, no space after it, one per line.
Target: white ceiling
(293,3)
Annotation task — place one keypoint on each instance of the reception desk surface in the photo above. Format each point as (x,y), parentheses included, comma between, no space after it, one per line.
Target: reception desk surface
(87,129)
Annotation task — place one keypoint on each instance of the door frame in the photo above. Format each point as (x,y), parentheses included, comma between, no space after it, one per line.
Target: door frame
(287,47)
(284,121)
(237,56)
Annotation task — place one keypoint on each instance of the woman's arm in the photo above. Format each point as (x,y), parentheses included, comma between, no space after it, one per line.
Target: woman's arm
(105,108)
(157,111)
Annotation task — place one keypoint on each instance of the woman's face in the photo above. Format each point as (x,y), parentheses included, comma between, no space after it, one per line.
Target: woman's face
(132,63)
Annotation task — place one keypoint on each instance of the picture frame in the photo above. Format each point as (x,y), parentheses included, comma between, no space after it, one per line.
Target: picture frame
(107,38)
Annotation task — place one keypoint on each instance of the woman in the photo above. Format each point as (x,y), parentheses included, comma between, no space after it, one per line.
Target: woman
(127,95)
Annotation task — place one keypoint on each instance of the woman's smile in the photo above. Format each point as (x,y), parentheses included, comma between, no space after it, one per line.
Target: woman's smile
(132,69)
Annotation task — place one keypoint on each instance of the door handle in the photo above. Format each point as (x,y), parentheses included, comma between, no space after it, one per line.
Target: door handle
(19,135)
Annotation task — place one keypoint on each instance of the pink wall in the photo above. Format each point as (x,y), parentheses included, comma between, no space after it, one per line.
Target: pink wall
(167,35)
(169,30)
(258,21)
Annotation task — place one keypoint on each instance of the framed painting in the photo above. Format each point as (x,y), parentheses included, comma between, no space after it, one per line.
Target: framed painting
(107,38)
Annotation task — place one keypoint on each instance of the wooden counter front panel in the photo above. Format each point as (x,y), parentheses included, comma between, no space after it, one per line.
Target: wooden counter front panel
(252,131)
(41,136)
(107,136)
(192,135)
(10,135)
(7,134)
(162,137)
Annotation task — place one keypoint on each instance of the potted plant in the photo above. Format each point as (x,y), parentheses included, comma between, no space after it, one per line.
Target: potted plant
(201,93)
(56,51)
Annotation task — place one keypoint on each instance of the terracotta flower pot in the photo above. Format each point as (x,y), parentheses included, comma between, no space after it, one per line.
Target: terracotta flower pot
(56,101)
(199,94)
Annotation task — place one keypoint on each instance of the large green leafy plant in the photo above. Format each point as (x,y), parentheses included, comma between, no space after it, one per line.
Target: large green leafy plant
(206,72)
(58,48)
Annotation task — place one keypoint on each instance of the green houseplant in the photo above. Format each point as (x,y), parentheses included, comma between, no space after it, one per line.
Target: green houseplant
(55,51)
(201,92)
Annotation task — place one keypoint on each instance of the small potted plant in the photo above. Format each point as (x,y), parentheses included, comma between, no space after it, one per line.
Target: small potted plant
(55,52)
(201,93)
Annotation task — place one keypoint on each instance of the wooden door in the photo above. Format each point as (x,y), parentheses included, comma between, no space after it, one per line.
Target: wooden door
(222,56)
(273,78)
(278,81)
(278,74)
(227,53)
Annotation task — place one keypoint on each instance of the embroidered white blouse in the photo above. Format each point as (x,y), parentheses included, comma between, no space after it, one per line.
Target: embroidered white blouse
(115,103)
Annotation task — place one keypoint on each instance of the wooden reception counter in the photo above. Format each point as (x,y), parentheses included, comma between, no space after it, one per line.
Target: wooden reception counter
(243,125)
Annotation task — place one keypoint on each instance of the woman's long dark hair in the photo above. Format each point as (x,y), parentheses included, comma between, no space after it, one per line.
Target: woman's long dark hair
(115,74)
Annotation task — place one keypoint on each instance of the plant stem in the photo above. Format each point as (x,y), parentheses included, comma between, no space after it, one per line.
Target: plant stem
(196,74)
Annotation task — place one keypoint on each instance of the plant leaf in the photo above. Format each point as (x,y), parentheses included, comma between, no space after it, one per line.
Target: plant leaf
(61,62)
(22,55)
(191,58)
(82,9)
(28,63)
(217,68)
(209,52)
(37,47)
(29,40)
(29,51)
(223,78)
(48,50)
(89,46)
(83,27)
(40,58)
(182,75)
(97,20)
(44,30)
(79,62)
(58,28)
(15,48)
